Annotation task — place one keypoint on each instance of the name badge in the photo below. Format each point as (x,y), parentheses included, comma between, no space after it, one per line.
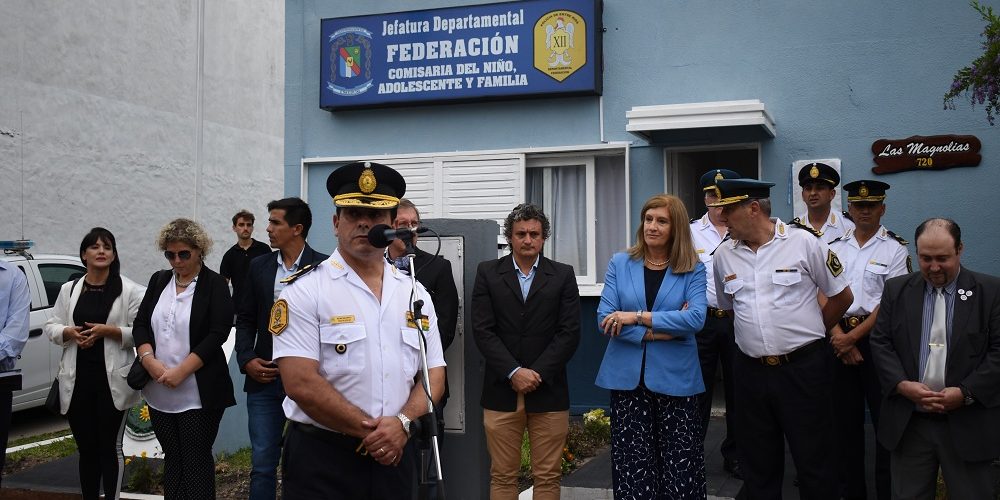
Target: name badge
(336,320)
(731,277)
(425,322)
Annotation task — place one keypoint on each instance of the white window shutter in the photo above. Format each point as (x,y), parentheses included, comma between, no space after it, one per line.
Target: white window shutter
(420,174)
(481,187)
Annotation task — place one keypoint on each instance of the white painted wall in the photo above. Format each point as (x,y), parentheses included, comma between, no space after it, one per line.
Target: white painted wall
(127,113)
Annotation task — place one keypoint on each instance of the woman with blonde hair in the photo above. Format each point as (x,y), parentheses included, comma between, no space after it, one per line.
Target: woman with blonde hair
(183,321)
(652,305)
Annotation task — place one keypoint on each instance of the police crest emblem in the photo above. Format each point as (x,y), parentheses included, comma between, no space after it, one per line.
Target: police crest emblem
(350,61)
(279,317)
(833,263)
(560,43)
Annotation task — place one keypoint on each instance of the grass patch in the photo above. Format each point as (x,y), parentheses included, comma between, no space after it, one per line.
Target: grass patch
(30,457)
(39,437)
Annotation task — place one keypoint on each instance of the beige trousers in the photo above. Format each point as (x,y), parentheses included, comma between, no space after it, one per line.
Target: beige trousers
(547,435)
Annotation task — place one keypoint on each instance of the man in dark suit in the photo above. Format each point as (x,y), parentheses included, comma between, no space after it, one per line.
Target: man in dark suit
(526,322)
(434,272)
(288,225)
(936,347)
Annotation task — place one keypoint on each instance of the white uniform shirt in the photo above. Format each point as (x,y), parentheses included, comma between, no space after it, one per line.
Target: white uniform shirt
(171,325)
(330,307)
(772,292)
(706,239)
(867,268)
(836,226)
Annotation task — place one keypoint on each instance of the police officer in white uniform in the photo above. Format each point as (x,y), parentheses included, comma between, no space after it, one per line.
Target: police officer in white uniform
(715,341)
(819,182)
(871,254)
(348,352)
(769,274)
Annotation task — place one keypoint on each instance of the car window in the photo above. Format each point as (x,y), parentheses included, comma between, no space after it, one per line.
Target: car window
(54,275)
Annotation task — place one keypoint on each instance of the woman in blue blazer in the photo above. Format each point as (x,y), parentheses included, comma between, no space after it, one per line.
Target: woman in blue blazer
(652,306)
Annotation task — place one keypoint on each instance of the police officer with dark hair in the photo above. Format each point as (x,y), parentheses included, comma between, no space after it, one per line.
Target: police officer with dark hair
(819,182)
(871,254)
(348,349)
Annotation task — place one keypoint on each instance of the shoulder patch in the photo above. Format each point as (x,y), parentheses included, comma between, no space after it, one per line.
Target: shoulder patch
(795,223)
(833,263)
(301,272)
(279,317)
(897,238)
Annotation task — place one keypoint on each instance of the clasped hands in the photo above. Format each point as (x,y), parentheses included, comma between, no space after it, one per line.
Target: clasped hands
(86,335)
(943,401)
(844,346)
(385,439)
(170,377)
(613,323)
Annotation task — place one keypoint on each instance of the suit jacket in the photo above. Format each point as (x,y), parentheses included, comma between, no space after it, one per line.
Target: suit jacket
(672,366)
(253,309)
(540,333)
(211,321)
(973,360)
(118,356)
(435,274)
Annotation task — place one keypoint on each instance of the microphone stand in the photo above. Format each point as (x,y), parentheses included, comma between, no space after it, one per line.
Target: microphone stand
(416,305)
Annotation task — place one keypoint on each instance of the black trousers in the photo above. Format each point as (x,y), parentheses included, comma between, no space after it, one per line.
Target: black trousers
(791,401)
(187,438)
(317,464)
(97,428)
(6,403)
(717,345)
(854,386)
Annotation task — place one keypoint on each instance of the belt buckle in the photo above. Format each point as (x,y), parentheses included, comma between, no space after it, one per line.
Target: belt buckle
(719,313)
(853,321)
(772,360)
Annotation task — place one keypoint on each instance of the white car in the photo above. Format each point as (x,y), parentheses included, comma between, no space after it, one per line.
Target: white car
(39,361)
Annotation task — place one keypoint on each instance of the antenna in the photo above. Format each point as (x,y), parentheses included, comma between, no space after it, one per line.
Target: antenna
(21,153)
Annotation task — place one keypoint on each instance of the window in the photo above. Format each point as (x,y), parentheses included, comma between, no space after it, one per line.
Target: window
(54,275)
(585,232)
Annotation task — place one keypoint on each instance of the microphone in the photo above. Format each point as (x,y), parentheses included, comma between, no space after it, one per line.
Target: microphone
(381,235)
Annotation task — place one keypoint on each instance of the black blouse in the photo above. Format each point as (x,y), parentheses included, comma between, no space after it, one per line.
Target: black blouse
(91,307)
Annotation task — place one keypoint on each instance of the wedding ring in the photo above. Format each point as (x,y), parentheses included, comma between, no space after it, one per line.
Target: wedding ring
(381,450)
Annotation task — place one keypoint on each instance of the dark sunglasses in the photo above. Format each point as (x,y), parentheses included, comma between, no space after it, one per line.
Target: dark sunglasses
(183,254)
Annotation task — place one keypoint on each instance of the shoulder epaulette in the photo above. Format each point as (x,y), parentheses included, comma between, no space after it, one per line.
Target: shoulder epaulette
(694,219)
(300,273)
(847,216)
(897,238)
(720,244)
(795,223)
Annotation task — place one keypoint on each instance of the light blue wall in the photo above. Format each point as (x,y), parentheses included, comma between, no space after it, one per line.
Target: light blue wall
(835,77)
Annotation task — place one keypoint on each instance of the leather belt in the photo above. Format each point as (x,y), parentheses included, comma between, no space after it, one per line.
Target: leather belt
(784,359)
(717,313)
(334,438)
(850,322)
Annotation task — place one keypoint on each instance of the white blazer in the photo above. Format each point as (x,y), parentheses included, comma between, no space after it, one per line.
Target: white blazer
(117,356)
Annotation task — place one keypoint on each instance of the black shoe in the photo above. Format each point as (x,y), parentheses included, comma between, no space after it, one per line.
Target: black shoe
(732,466)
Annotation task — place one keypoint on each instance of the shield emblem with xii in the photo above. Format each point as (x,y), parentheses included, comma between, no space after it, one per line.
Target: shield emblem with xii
(560,44)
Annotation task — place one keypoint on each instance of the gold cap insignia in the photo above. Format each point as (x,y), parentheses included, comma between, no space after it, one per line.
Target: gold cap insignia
(718,192)
(718,176)
(814,171)
(279,317)
(863,191)
(367,181)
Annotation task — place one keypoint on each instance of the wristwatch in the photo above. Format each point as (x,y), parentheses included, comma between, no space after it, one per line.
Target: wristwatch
(403,419)
(968,396)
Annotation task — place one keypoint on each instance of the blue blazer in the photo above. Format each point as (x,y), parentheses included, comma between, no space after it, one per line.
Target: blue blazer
(672,366)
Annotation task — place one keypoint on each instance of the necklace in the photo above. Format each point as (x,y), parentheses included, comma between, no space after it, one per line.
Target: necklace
(657,264)
(177,281)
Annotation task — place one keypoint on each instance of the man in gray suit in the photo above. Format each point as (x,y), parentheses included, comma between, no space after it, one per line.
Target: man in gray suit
(936,347)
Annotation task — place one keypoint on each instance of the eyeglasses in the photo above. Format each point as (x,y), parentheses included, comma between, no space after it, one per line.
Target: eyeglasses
(183,254)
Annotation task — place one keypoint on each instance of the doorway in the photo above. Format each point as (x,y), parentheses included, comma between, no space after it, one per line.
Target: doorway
(685,166)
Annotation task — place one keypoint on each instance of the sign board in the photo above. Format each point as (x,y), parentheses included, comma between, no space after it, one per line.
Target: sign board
(935,152)
(495,51)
